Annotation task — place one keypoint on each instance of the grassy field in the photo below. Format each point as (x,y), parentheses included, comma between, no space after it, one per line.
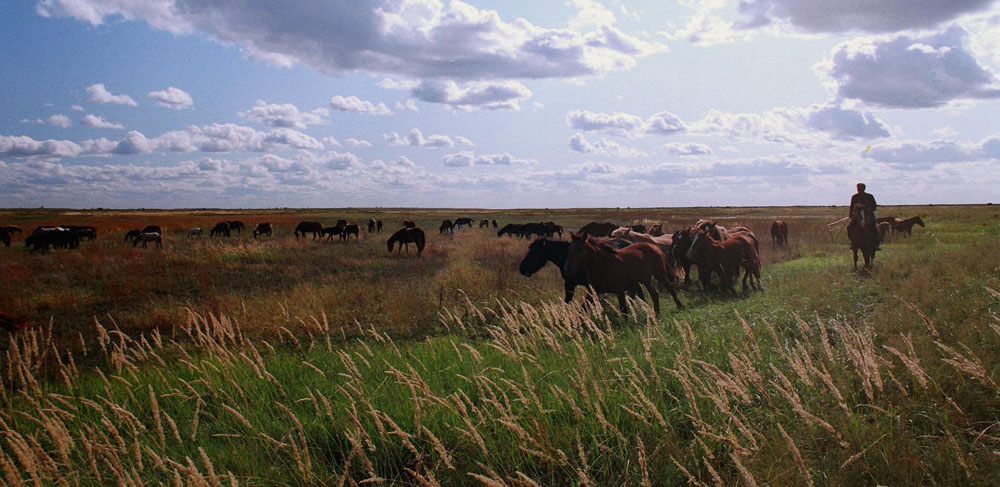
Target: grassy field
(278,362)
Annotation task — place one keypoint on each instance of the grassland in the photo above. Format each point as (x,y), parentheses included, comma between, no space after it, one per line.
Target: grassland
(299,363)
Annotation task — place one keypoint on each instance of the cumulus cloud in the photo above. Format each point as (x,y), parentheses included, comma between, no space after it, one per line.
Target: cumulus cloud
(621,124)
(848,15)
(96,121)
(353,142)
(416,138)
(99,94)
(354,104)
(923,153)
(467,158)
(909,71)
(171,97)
(413,38)
(285,115)
(24,146)
(133,143)
(490,95)
(687,149)
(606,147)
(845,124)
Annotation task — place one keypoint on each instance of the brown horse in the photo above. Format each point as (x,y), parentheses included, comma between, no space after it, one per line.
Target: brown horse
(863,235)
(599,229)
(236,226)
(304,227)
(262,228)
(726,258)
(221,229)
(906,226)
(406,236)
(884,228)
(779,233)
(371,225)
(614,271)
(350,228)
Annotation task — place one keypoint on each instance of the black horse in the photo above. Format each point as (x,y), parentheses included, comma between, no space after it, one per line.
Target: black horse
(543,250)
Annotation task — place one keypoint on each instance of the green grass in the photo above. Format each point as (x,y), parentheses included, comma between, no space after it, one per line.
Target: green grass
(509,384)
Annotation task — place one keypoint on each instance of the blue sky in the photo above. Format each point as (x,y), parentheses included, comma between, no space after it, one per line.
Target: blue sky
(511,103)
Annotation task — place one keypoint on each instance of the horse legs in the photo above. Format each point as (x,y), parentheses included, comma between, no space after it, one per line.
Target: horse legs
(653,295)
(670,289)
(855,259)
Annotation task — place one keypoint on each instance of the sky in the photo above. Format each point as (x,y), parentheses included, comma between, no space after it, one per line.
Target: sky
(499,104)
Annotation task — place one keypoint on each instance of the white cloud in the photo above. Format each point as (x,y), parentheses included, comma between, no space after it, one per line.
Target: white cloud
(96,121)
(687,149)
(354,104)
(171,97)
(285,115)
(353,142)
(416,138)
(491,95)
(909,72)
(848,15)
(467,158)
(57,120)
(24,146)
(606,147)
(915,153)
(590,13)
(621,124)
(99,94)
(76,108)
(133,143)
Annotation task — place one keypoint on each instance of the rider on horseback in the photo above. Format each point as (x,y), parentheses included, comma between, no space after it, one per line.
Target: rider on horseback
(868,202)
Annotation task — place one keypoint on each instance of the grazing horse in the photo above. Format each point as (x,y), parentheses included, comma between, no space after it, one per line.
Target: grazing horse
(337,230)
(10,322)
(883,229)
(610,270)
(12,229)
(221,229)
(152,229)
(195,232)
(779,233)
(149,237)
(378,225)
(405,236)
(906,226)
(726,257)
(371,225)
(484,223)
(304,227)
(512,229)
(446,226)
(462,222)
(543,250)
(262,228)
(236,225)
(599,229)
(350,228)
(863,235)
(82,231)
(132,234)
(56,237)
(494,222)
(409,224)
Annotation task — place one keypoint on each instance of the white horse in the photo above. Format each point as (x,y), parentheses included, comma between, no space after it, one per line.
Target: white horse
(194,232)
(149,237)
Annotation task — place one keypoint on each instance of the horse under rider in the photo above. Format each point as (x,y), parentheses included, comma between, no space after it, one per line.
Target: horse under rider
(868,201)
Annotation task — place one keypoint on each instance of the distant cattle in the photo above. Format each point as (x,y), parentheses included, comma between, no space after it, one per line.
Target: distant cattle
(262,228)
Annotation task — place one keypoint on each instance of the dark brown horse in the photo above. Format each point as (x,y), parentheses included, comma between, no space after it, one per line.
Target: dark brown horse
(599,229)
(132,234)
(378,225)
(304,227)
(350,228)
(446,226)
(863,235)
(409,224)
(371,225)
(262,228)
(906,226)
(152,229)
(236,226)
(614,271)
(406,236)
(779,233)
(221,229)
(543,250)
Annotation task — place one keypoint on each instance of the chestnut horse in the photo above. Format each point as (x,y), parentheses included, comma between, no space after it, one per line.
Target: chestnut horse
(906,226)
(599,229)
(405,236)
(863,235)
(610,270)
(304,227)
(221,229)
(726,258)
(779,233)
(543,250)
(350,228)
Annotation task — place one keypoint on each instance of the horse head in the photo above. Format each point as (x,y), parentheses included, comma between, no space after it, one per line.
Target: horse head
(698,245)
(919,221)
(535,259)
(578,253)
